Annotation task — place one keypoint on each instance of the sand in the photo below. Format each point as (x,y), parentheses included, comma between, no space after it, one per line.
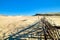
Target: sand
(10,24)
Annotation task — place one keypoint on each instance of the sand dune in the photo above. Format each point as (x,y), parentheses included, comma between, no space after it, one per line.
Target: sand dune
(10,24)
(54,20)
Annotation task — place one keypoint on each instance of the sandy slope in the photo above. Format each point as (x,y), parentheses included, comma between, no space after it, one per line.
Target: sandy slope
(54,20)
(10,24)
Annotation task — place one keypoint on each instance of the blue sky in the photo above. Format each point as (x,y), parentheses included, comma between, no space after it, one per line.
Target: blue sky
(28,7)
